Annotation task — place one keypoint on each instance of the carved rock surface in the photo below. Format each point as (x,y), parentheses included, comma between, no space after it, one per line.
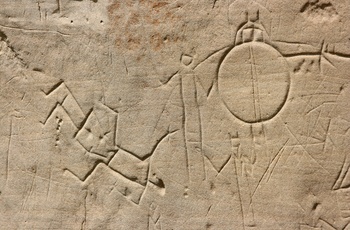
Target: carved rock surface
(175,114)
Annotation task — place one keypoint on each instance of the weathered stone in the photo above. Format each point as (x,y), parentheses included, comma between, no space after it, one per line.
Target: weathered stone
(175,114)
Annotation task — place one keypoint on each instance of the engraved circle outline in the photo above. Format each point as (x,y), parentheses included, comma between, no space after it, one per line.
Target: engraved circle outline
(284,101)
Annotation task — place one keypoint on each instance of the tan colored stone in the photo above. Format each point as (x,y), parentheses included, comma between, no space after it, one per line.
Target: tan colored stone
(175,114)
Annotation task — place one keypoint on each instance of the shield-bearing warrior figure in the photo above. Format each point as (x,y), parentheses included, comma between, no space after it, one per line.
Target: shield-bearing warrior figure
(248,131)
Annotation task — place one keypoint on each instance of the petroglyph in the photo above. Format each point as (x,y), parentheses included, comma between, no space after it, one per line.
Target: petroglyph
(175,114)
(260,71)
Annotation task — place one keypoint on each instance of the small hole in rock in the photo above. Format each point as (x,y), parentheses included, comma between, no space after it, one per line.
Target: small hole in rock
(315,206)
(165,39)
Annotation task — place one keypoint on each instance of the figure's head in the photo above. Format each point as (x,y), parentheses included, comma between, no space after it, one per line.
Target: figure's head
(242,11)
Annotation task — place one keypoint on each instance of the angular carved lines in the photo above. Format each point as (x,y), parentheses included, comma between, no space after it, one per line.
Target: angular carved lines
(64,97)
(132,173)
(96,134)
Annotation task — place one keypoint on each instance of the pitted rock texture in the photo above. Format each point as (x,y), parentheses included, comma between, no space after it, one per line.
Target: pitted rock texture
(175,114)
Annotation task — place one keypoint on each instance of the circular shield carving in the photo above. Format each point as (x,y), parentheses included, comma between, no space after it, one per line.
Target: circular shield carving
(253,81)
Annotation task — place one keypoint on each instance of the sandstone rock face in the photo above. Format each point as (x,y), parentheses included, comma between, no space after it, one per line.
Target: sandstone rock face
(175,114)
